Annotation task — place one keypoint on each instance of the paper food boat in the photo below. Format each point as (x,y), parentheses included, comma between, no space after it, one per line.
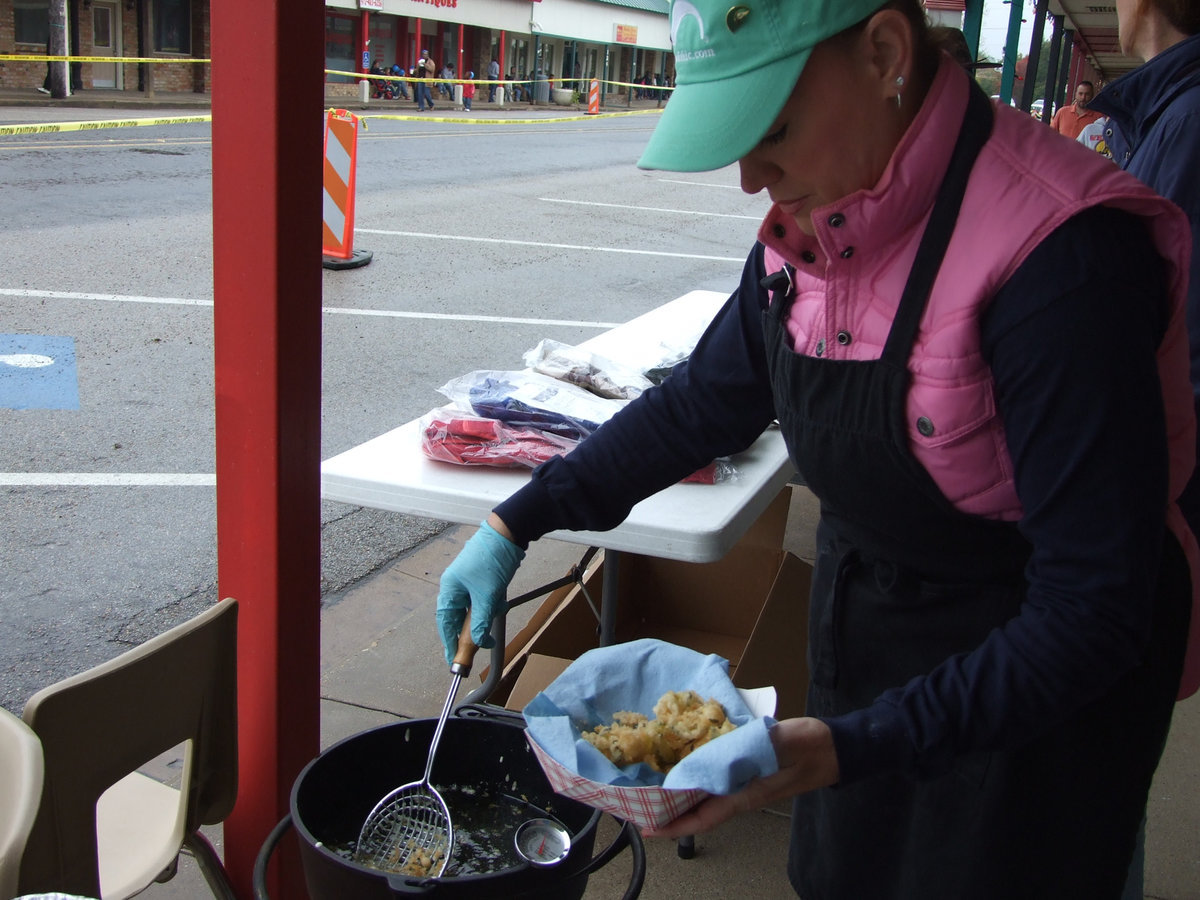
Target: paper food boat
(634,676)
(647,807)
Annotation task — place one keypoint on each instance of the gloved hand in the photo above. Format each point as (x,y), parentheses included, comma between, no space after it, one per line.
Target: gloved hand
(477,580)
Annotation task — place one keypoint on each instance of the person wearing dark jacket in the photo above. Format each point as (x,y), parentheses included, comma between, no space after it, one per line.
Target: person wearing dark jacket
(1155,135)
(1003,581)
(1153,132)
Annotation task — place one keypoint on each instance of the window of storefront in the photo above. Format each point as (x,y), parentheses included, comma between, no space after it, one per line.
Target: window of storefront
(383,39)
(340,47)
(446,55)
(545,62)
(520,58)
(172,26)
(32,21)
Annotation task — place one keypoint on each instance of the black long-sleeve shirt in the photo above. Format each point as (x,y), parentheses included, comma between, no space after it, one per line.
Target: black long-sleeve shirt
(1071,342)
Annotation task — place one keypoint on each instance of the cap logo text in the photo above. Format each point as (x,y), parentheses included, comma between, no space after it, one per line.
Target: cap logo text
(680,10)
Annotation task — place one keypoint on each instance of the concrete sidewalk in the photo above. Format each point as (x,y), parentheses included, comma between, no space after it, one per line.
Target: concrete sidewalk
(381,661)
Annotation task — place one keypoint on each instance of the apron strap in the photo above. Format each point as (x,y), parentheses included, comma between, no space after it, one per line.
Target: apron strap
(976,129)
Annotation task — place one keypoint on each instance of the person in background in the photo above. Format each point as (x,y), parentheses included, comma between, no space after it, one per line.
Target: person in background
(379,87)
(1154,116)
(514,85)
(1094,137)
(1071,119)
(468,92)
(446,88)
(398,83)
(1153,132)
(954,323)
(493,77)
(428,70)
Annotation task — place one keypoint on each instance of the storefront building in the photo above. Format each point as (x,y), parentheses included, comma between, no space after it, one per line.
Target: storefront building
(571,41)
(175,31)
(565,41)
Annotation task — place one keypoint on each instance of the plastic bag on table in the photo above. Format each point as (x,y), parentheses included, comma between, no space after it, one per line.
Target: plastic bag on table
(532,400)
(458,436)
(659,374)
(719,471)
(594,373)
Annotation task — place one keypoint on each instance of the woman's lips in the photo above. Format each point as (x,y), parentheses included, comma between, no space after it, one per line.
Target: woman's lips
(793,207)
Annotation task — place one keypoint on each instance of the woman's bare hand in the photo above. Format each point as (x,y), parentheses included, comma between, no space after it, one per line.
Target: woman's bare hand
(807,761)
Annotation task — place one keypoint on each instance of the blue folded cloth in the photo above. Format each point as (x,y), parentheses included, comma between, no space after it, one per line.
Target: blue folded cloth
(633,676)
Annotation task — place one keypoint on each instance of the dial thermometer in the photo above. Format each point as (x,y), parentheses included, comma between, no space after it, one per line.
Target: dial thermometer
(543,842)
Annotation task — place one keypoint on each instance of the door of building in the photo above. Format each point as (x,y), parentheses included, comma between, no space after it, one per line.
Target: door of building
(106,42)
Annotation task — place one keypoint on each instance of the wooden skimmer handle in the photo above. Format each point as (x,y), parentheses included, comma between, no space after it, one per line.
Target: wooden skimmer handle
(465,655)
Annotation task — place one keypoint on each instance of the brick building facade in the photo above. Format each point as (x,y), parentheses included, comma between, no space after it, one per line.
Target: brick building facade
(175,31)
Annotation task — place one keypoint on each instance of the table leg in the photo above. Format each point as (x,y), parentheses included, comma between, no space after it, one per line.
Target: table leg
(608,596)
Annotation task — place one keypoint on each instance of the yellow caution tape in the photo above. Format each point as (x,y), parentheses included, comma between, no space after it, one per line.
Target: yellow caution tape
(41,57)
(550,120)
(53,127)
(57,127)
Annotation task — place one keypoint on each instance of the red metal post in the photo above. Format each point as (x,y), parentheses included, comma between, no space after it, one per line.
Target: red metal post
(458,70)
(500,60)
(267,324)
(365,39)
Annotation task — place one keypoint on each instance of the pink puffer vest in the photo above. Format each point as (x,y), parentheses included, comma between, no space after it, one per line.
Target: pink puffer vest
(1026,182)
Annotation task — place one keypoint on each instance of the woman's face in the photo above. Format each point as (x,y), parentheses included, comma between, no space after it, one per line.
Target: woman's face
(833,137)
(1128,20)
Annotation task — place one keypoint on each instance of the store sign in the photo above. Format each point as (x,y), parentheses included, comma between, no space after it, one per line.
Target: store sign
(626,34)
(370,4)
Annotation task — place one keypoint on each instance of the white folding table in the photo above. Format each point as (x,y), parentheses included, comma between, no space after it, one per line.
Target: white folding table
(688,522)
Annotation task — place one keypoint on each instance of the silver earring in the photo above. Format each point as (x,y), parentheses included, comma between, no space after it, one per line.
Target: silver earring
(899,84)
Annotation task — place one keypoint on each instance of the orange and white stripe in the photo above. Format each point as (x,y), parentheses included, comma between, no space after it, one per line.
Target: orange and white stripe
(341,159)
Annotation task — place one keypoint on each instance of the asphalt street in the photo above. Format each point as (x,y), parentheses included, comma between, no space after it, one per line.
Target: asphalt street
(486,239)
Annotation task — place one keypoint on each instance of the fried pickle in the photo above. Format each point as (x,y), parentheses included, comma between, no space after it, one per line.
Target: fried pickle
(682,722)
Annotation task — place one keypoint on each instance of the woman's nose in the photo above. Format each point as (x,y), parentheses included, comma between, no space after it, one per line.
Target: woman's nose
(756,173)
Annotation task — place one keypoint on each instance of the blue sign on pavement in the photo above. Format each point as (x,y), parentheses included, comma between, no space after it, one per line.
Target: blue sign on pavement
(37,371)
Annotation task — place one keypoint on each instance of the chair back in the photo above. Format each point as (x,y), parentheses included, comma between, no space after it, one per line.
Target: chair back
(100,725)
(20,791)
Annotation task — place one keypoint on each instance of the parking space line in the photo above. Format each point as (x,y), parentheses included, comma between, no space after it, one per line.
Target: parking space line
(108,298)
(106,479)
(685,212)
(332,310)
(545,245)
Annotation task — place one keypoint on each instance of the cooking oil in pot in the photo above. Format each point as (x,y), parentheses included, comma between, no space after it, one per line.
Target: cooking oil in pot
(486,822)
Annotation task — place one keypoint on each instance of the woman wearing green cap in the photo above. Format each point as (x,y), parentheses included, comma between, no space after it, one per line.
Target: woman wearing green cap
(972,336)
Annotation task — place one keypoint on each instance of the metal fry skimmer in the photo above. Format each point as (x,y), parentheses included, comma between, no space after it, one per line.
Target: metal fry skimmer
(409,831)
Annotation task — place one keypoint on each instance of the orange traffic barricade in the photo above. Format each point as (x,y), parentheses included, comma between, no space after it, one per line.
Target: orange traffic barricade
(594,98)
(341,161)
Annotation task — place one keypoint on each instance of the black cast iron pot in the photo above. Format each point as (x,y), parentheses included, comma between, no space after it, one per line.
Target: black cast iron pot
(336,791)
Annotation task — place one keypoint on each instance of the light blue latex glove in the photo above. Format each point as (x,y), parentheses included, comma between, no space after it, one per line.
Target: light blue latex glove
(477,580)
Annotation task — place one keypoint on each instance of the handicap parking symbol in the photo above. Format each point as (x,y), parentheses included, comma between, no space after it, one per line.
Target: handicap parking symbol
(38,372)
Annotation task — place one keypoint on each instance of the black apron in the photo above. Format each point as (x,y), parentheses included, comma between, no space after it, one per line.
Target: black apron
(902,582)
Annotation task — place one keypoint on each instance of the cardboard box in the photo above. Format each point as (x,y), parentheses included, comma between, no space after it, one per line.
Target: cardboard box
(537,672)
(751,607)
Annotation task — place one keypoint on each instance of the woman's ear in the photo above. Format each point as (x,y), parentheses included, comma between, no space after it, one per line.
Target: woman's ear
(888,44)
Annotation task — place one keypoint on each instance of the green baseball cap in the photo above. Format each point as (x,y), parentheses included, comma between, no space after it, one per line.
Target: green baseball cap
(735,68)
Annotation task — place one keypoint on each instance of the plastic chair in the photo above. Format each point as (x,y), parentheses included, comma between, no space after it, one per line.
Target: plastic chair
(20,791)
(105,829)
